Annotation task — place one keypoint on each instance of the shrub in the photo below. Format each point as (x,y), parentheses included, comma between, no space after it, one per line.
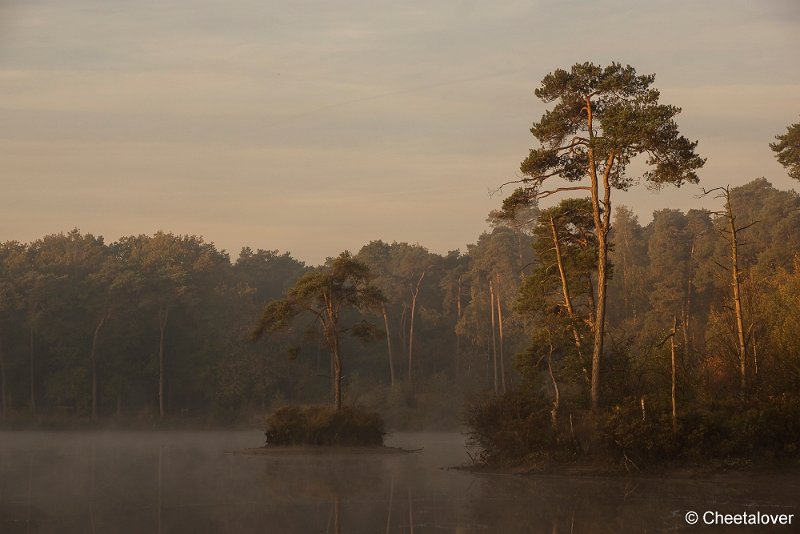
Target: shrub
(324,425)
(508,427)
(514,428)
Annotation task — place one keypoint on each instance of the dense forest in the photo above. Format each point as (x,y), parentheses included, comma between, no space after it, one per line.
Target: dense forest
(567,328)
(161,326)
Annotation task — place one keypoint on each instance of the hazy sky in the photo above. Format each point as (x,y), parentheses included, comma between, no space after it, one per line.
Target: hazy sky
(317,126)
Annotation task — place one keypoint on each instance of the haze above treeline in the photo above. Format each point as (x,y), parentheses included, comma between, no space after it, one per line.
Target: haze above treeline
(260,123)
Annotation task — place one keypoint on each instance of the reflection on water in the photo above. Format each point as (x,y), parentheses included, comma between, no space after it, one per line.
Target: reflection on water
(163,482)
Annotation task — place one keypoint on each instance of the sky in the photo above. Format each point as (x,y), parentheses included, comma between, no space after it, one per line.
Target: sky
(317,126)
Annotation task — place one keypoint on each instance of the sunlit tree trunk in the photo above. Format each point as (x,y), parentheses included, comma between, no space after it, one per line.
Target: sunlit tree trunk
(500,331)
(687,308)
(458,335)
(567,297)
(494,338)
(601,214)
(674,381)
(737,293)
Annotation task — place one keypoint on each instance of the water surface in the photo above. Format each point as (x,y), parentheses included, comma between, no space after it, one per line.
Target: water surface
(188,482)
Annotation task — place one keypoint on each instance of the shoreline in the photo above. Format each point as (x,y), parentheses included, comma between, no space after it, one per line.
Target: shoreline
(287,450)
(597,470)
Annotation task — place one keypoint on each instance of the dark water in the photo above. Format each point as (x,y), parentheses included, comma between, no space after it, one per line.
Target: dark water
(167,482)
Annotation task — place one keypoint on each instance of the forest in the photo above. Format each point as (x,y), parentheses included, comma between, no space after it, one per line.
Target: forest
(698,342)
(160,326)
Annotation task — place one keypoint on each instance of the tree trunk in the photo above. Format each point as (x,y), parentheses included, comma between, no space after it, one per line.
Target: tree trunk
(500,326)
(94,365)
(403,329)
(674,381)
(337,375)
(556,393)
(737,297)
(3,382)
(458,336)
(32,372)
(329,324)
(163,317)
(494,329)
(414,294)
(388,344)
(601,216)
(687,310)
(755,356)
(567,297)
(600,312)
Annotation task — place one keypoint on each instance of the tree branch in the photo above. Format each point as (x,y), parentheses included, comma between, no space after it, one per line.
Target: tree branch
(549,192)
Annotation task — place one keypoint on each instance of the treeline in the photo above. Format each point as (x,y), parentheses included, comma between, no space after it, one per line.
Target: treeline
(692,367)
(160,326)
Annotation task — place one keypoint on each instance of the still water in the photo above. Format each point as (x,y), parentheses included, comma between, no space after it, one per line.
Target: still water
(189,482)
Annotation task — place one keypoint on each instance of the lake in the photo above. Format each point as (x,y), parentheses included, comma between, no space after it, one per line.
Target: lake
(190,482)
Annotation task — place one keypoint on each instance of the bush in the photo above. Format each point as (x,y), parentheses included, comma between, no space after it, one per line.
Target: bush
(719,432)
(515,428)
(509,427)
(324,425)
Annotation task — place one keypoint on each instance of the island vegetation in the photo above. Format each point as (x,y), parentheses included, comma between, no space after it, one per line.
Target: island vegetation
(571,332)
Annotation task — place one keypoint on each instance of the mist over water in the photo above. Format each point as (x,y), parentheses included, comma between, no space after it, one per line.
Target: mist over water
(182,482)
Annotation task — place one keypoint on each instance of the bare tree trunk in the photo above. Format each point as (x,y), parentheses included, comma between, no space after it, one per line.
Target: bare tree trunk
(687,310)
(33,375)
(337,370)
(404,329)
(388,344)
(737,296)
(500,326)
(494,330)
(458,336)
(163,317)
(414,294)
(674,382)
(94,365)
